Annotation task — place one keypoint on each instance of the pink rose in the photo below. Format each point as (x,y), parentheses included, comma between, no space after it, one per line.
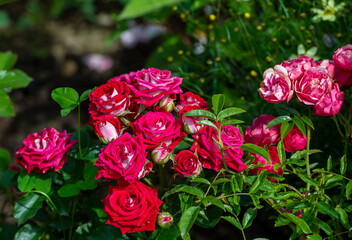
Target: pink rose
(187,164)
(208,149)
(151,85)
(127,78)
(45,150)
(342,77)
(123,159)
(189,123)
(274,158)
(315,83)
(107,128)
(276,86)
(295,140)
(343,57)
(111,98)
(158,129)
(297,67)
(331,102)
(258,134)
(328,65)
(190,99)
(161,155)
(132,208)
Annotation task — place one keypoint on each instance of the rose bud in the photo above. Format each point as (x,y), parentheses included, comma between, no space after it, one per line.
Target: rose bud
(331,103)
(167,104)
(165,219)
(187,164)
(107,129)
(161,155)
(295,140)
(148,167)
(343,57)
(297,67)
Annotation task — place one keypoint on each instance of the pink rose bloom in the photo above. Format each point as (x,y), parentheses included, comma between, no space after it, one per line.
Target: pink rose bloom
(45,150)
(274,158)
(123,159)
(127,78)
(107,128)
(208,149)
(297,67)
(190,99)
(343,57)
(295,140)
(189,123)
(328,65)
(158,129)
(111,98)
(342,77)
(276,86)
(187,164)
(151,85)
(258,134)
(315,83)
(331,103)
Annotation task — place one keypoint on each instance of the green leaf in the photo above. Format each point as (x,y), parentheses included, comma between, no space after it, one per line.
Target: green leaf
(285,128)
(329,164)
(230,112)
(299,222)
(323,225)
(348,189)
(43,183)
(309,180)
(281,221)
(256,202)
(27,206)
(201,180)
(26,182)
(87,185)
(249,147)
(200,113)
(233,221)
(220,180)
(168,234)
(4,160)
(187,220)
(277,121)
(29,232)
(82,231)
(231,122)
(343,165)
(303,154)
(343,217)
(327,209)
(84,95)
(307,121)
(6,108)
(137,8)
(281,152)
(107,232)
(248,217)
(207,122)
(69,190)
(90,171)
(7,59)
(14,79)
(218,101)
(213,200)
(66,97)
(211,218)
(314,237)
(300,124)
(185,188)
(259,182)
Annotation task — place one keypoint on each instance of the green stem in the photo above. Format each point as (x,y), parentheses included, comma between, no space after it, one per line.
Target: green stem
(243,235)
(308,146)
(162,177)
(72,217)
(79,131)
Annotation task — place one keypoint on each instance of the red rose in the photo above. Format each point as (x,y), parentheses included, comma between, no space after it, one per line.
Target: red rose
(123,159)
(187,164)
(132,208)
(45,150)
(295,140)
(106,128)
(190,99)
(342,77)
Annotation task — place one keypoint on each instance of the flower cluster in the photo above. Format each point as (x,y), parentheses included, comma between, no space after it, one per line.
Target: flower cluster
(316,84)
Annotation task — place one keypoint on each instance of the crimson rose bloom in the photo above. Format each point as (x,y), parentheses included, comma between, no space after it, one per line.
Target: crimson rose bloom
(258,134)
(295,140)
(343,57)
(158,128)
(315,83)
(331,103)
(297,67)
(132,208)
(45,150)
(187,164)
(111,98)
(190,99)
(107,128)
(123,159)
(208,149)
(151,85)
(342,77)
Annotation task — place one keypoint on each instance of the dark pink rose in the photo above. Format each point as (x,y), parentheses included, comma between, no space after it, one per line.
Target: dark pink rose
(151,85)
(112,98)
(187,164)
(158,128)
(123,159)
(208,149)
(189,123)
(274,158)
(343,57)
(331,102)
(328,65)
(132,208)
(127,78)
(297,67)
(258,134)
(342,77)
(315,83)
(45,150)
(107,128)
(295,140)
(276,86)
(190,99)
